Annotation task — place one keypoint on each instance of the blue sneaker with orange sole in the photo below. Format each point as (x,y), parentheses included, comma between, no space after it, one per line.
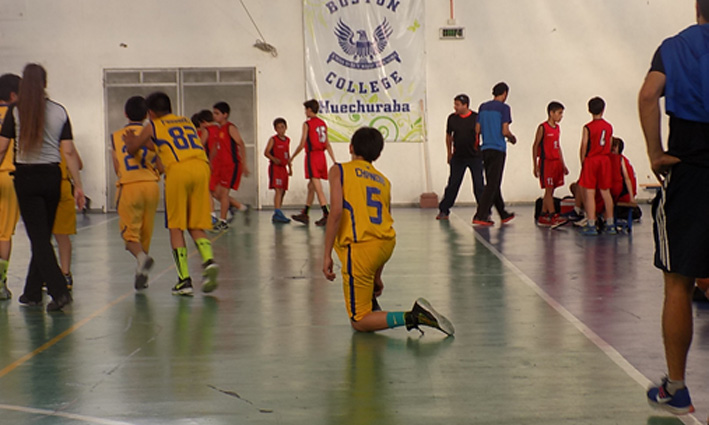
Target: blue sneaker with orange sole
(679,404)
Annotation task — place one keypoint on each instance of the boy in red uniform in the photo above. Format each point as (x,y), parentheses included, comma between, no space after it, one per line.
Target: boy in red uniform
(623,183)
(231,163)
(279,168)
(209,135)
(595,169)
(315,143)
(548,163)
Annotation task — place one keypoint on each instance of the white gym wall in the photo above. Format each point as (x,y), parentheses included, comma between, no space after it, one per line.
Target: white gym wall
(566,50)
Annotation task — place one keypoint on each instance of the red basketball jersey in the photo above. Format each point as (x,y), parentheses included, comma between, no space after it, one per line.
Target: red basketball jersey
(212,138)
(281,149)
(600,134)
(317,135)
(226,148)
(549,148)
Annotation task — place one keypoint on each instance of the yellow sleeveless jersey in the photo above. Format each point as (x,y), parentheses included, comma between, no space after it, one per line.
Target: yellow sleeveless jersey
(177,140)
(366,209)
(133,168)
(7,163)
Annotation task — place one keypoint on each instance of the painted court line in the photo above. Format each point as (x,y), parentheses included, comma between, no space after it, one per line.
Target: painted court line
(45,412)
(607,349)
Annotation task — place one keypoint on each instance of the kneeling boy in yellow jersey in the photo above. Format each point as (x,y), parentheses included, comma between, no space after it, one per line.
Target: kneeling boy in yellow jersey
(360,230)
(186,186)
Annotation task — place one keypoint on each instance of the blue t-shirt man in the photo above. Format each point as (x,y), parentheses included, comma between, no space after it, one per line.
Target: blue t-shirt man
(493,127)
(491,116)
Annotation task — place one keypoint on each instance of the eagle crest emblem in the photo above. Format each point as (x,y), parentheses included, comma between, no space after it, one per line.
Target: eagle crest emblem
(363,48)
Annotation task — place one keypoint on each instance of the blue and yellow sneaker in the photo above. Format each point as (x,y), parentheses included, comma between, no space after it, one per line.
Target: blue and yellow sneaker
(679,404)
(183,287)
(209,276)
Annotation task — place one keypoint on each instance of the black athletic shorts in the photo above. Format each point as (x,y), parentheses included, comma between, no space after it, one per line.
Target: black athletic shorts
(681,215)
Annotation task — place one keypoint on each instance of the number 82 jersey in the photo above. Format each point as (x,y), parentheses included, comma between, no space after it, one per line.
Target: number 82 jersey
(176,140)
(366,204)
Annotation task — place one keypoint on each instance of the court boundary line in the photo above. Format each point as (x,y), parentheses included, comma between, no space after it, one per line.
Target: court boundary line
(55,413)
(591,335)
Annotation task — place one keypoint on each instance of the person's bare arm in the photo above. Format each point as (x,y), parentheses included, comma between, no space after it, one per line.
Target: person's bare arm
(241,146)
(73,164)
(301,146)
(626,179)
(135,141)
(333,220)
(584,144)
(535,150)
(507,133)
(650,116)
(267,152)
(328,148)
(449,147)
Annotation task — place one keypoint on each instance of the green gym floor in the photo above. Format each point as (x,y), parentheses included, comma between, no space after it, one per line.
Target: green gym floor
(551,328)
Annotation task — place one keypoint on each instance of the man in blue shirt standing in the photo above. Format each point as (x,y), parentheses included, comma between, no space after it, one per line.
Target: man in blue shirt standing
(494,119)
(680,73)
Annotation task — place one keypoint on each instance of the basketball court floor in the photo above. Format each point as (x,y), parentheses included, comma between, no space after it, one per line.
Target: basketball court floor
(551,328)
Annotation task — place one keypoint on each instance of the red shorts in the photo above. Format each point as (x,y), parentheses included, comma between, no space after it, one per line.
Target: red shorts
(596,173)
(551,173)
(277,177)
(315,165)
(225,175)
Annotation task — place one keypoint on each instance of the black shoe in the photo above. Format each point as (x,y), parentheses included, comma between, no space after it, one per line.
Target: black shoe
(60,302)
(183,287)
(322,221)
(24,299)
(302,218)
(423,313)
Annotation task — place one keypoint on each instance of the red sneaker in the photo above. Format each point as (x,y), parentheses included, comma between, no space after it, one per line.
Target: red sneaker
(484,223)
(544,220)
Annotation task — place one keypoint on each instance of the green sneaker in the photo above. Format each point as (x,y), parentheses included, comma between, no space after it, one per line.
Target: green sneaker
(423,313)
(183,287)
(5,293)
(209,276)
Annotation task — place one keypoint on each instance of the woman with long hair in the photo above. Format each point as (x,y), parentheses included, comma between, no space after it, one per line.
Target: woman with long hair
(41,129)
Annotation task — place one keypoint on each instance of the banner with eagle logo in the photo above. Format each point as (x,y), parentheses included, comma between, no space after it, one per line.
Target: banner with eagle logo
(365,65)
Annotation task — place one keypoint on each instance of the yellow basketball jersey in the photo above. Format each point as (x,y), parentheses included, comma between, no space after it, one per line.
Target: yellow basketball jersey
(7,163)
(176,140)
(366,205)
(133,168)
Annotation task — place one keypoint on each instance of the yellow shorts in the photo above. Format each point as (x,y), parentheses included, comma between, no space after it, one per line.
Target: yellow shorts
(9,209)
(187,204)
(360,262)
(136,203)
(65,219)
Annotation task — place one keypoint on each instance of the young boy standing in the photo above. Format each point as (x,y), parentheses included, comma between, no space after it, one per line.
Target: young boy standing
(231,163)
(548,163)
(315,142)
(364,239)
(9,208)
(186,186)
(595,168)
(138,191)
(279,168)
